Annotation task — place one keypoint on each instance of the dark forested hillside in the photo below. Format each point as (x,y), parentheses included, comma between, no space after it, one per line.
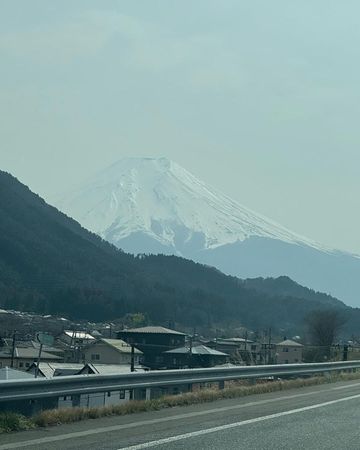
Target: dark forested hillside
(286,287)
(49,264)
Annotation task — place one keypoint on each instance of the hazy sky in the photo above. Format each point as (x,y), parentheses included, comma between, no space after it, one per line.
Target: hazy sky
(259,98)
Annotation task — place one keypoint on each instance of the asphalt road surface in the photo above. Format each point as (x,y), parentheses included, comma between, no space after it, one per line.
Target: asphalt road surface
(318,417)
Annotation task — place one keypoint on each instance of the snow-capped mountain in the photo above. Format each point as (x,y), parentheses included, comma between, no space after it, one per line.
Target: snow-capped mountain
(146,205)
(161,199)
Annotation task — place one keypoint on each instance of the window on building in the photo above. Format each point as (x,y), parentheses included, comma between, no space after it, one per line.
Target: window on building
(21,364)
(27,364)
(285,349)
(122,394)
(95,357)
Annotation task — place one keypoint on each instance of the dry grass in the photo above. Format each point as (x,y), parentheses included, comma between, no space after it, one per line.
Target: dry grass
(68,415)
(16,422)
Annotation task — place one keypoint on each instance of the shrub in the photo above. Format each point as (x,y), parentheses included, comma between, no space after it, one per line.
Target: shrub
(14,422)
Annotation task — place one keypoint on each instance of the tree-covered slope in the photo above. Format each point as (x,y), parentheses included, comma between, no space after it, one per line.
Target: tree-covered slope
(50,264)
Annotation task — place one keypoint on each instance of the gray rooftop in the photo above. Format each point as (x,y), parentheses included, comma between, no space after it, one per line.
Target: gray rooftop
(290,343)
(197,350)
(153,330)
(53,369)
(11,374)
(120,345)
(235,340)
(28,353)
(111,369)
(33,353)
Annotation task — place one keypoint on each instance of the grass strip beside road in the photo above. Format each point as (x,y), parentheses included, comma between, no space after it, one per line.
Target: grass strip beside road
(16,422)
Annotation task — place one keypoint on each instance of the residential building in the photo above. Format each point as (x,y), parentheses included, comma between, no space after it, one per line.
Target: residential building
(76,338)
(153,342)
(72,343)
(109,369)
(55,369)
(24,357)
(110,351)
(8,343)
(195,356)
(240,350)
(288,352)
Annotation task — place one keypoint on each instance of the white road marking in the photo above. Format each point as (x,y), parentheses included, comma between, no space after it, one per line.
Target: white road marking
(345,387)
(79,434)
(235,424)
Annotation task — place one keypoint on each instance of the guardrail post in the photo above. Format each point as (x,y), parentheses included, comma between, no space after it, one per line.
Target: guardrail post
(75,400)
(148,394)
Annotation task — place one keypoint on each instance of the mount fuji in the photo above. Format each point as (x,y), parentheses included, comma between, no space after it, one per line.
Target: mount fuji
(146,205)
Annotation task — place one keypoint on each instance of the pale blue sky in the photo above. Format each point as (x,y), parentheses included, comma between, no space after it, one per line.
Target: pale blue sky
(259,98)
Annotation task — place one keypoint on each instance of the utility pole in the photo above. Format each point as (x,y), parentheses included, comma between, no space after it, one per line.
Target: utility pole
(13,349)
(190,351)
(38,361)
(269,347)
(132,365)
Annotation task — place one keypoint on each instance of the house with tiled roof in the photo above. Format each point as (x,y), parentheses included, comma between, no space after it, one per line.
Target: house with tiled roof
(288,352)
(194,356)
(153,341)
(110,351)
(55,369)
(23,357)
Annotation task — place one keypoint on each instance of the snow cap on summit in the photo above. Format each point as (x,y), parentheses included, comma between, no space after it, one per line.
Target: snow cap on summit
(161,200)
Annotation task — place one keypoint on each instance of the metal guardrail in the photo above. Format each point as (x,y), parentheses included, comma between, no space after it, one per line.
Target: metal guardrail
(31,389)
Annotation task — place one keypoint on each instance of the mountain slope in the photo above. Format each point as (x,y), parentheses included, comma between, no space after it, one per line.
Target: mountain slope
(145,205)
(50,264)
(161,199)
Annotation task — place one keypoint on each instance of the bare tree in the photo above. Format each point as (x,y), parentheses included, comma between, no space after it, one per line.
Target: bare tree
(323,328)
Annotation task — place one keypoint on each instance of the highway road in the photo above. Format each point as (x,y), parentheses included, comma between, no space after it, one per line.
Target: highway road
(318,417)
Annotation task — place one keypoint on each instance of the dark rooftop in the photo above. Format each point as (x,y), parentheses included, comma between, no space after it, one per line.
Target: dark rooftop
(152,330)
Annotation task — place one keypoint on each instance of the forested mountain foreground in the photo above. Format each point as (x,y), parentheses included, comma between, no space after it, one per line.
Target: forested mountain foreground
(49,264)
